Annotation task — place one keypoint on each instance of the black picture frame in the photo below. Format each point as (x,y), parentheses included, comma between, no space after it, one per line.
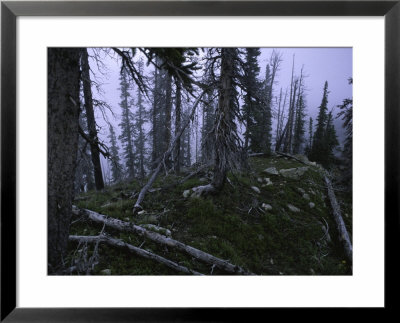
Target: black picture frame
(10,10)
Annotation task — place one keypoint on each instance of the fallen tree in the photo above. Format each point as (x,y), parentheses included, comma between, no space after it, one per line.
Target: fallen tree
(343,234)
(137,207)
(160,239)
(138,251)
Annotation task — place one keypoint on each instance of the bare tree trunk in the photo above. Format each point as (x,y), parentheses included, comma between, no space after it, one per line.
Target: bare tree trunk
(178,102)
(91,122)
(343,234)
(168,111)
(138,251)
(62,139)
(160,239)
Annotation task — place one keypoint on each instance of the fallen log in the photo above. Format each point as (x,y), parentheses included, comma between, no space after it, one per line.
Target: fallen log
(138,251)
(160,239)
(343,234)
(290,156)
(137,207)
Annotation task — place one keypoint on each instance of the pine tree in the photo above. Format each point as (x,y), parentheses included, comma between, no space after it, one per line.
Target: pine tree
(310,137)
(347,116)
(330,141)
(251,109)
(298,135)
(116,168)
(126,125)
(140,117)
(318,149)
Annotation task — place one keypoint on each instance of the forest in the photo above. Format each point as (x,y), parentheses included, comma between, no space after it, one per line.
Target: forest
(198,161)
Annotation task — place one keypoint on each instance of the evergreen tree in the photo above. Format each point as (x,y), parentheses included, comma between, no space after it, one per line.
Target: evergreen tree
(116,168)
(330,141)
(318,149)
(251,109)
(347,116)
(310,137)
(298,135)
(126,125)
(140,117)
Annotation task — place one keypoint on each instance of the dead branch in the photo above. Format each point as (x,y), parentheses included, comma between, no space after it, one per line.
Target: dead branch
(138,251)
(167,154)
(160,239)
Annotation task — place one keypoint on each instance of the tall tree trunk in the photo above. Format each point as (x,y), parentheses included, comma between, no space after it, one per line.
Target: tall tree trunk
(154,154)
(94,149)
(62,140)
(178,103)
(224,119)
(168,111)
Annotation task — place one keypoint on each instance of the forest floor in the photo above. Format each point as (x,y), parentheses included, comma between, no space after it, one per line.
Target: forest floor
(268,224)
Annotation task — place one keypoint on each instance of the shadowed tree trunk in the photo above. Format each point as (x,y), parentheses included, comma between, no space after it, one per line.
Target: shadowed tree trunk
(94,149)
(62,139)
(177,157)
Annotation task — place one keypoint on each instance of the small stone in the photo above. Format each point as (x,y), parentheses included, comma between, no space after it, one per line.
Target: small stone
(203,179)
(266,207)
(127,219)
(186,193)
(260,237)
(301,190)
(312,272)
(271,261)
(259,180)
(293,208)
(306,196)
(293,173)
(142,212)
(105,272)
(271,170)
(256,189)
(311,205)
(267,181)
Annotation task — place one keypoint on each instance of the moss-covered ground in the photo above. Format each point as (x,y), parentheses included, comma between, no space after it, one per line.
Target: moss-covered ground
(232,225)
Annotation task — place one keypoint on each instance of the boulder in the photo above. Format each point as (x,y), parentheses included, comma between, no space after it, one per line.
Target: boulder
(293,208)
(293,173)
(271,170)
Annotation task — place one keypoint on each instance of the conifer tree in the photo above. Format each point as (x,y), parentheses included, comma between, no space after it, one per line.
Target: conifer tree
(298,136)
(252,109)
(347,116)
(126,125)
(140,117)
(116,168)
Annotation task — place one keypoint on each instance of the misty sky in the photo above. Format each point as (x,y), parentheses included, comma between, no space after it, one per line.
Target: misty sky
(334,65)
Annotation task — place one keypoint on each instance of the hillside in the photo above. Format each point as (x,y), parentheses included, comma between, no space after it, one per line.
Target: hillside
(271,220)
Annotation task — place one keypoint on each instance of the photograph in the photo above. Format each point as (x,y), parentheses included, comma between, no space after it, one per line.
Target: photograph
(200,161)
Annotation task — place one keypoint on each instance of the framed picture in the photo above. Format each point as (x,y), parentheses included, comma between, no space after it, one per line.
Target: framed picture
(364,36)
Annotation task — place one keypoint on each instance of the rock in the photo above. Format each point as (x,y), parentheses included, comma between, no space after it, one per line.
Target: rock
(127,219)
(157,229)
(142,212)
(312,192)
(301,190)
(271,170)
(271,261)
(203,179)
(256,189)
(306,196)
(267,181)
(311,205)
(312,272)
(259,180)
(186,193)
(303,158)
(293,173)
(151,219)
(105,272)
(266,207)
(293,208)
(260,237)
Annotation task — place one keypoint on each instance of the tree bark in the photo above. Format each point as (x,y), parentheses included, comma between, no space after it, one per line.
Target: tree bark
(138,251)
(178,102)
(160,239)
(343,234)
(91,122)
(62,139)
